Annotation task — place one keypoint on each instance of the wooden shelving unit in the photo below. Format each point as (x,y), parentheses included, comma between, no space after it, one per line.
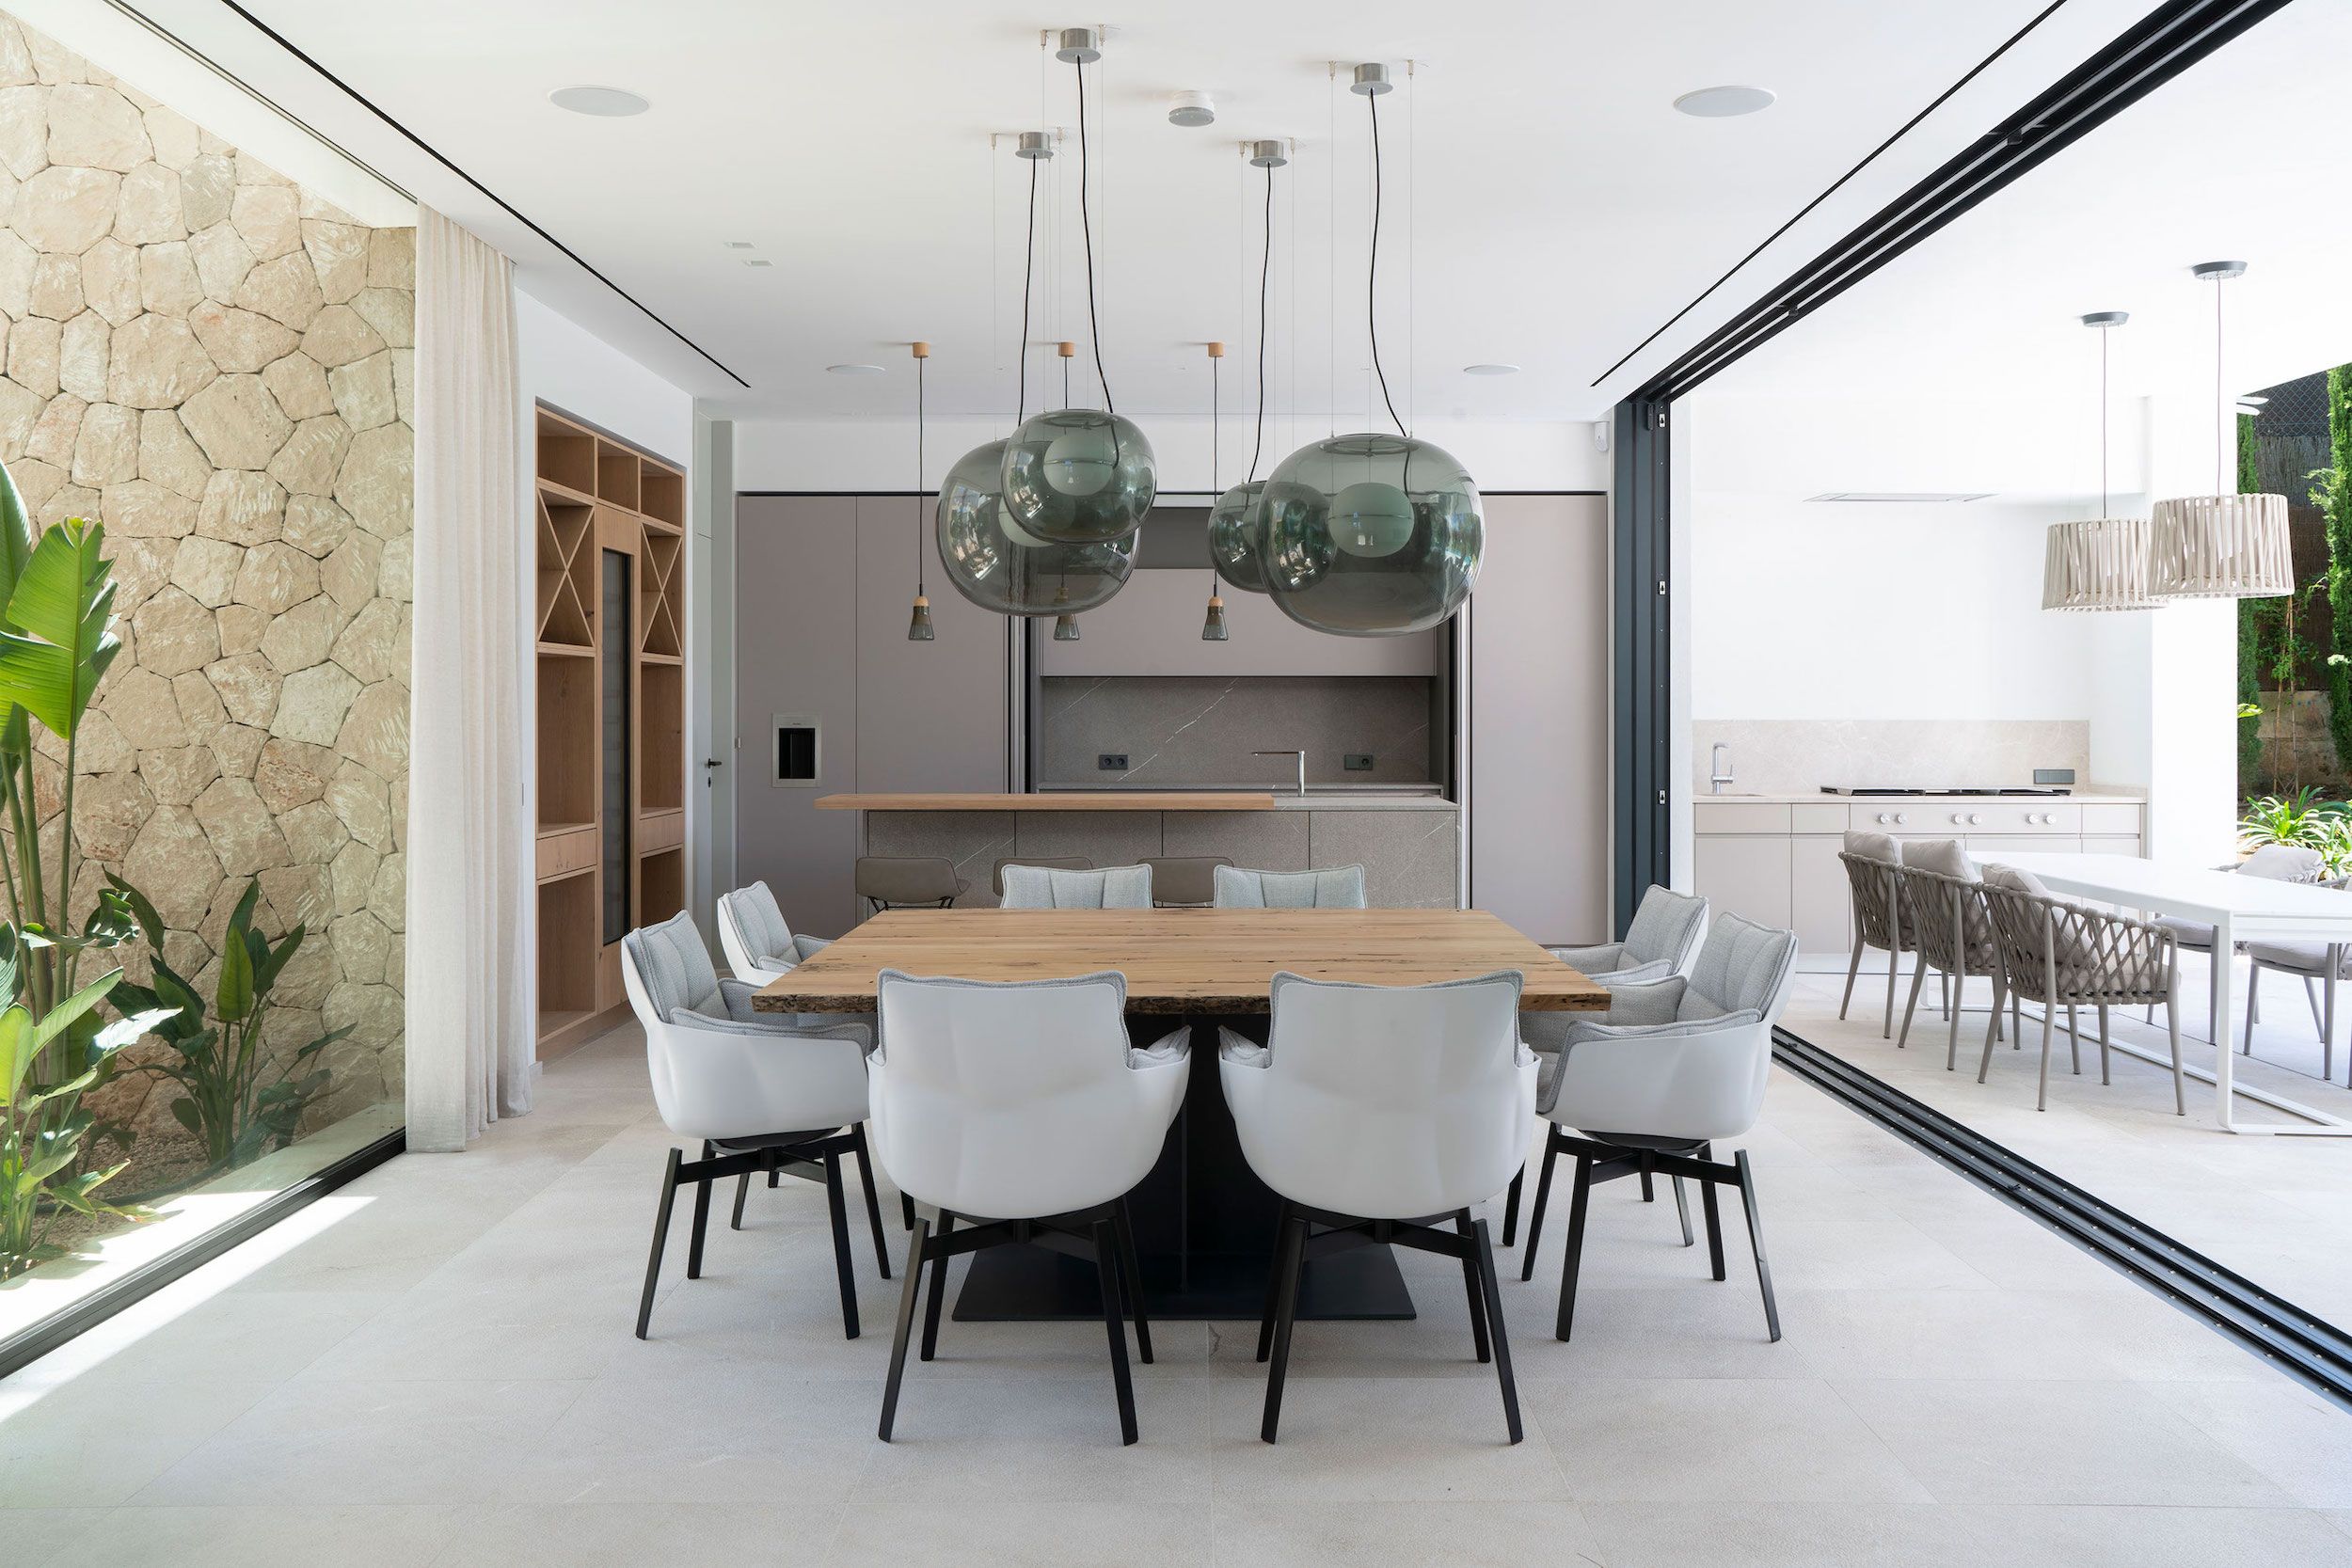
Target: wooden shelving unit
(611,541)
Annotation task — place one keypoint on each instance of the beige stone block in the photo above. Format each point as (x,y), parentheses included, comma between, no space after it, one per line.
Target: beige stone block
(16,60)
(361,943)
(299,893)
(148,211)
(200,706)
(141,704)
(172,135)
(110,281)
(363,391)
(303,636)
(176,775)
(168,283)
(239,341)
(244,834)
(206,187)
(142,567)
(338,258)
(275,577)
(300,387)
(222,260)
(285,289)
(19,262)
(248,689)
(158,362)
(375,1013)
(405,385)
(168,458)
(36,481)
(237,746)
(74,501)
(82,359)
(376,733)
(350,875)
(391,311)
(395,574)
(25,129)
(400,812)
(175,633)
(236,422)
(33,355)
(352,574)
(56,290)
(269,217)
(143,510)
(388,894)
(312,705)
(376,483)
(338,335)
(20,410)
(311,458)
(312,834)
(242,507)
(241,628)
(53,434)
(374,647)
(252,171)
(289,773)
(53,62)
(315,526)
(66,210)
(392,258)
(96,126)
(362,802)
(108,811)
(107,449)
(206,570)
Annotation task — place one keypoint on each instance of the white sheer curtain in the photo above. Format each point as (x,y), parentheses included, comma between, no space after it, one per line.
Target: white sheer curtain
(469,840)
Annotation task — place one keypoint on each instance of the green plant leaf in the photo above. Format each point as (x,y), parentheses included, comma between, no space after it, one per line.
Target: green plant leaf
(233,997)
(63,603)
(241,918)
(265,974)
(56,1021)
(185,1113)
(142,910)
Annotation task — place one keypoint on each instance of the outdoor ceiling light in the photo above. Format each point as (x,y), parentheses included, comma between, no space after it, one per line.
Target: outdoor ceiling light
(2099,563)
(604,103)
(2221,545)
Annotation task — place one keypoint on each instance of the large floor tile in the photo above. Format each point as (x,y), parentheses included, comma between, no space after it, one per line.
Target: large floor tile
(752,1433)
(2110,1537)
(2289,1433)
(1290,1533)
(293,1536)
(95,1443)
(707,1527)
(1049,1440)
(1852,1535)
(1020,1533)
(1378,1438)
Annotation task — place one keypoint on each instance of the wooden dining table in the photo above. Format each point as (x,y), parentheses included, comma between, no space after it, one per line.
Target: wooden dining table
(1205,1222)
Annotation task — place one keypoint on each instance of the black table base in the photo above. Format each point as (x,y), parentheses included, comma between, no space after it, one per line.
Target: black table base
(1205,1228)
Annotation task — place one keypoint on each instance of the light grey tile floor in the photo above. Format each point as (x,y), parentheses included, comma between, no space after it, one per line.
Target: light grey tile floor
(433,1365)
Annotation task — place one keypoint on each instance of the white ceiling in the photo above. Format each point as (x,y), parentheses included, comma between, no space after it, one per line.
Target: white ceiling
(1563,209)
(2239,159)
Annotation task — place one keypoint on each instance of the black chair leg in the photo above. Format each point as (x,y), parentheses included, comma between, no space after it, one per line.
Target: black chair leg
(906,1211)
(1578,1202)
(1682,1207)
(660,1234)
(908,1290)
(1106,1270)
(1756,1239)
(1287,1266)
(1273,1282)
(1470,1283)
(702,1218)
(1649,1189)
(1511,1207)
(743,1190)
(1501,1335)
(939,1291)
(1535,1215)
(873,1202)
(1131,1275)
(840,1214)
(1714,1228)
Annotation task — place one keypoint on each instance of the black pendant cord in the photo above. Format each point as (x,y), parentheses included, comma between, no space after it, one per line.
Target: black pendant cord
(1028,266)
(1265,263)
(1372,274)
(1085,225)
(918,477)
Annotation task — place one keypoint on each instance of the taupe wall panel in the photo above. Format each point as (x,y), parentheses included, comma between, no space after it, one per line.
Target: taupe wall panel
(931,715)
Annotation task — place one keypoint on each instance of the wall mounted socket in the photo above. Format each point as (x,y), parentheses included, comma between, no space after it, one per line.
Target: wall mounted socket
(1111,762)
(1357,762)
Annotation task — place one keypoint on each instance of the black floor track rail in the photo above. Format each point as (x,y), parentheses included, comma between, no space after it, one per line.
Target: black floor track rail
(2304,1346)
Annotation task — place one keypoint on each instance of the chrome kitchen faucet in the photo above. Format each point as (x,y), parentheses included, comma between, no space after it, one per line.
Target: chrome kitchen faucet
(1302,765)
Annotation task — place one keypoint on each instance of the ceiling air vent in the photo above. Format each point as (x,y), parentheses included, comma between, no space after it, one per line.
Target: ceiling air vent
(1902,498)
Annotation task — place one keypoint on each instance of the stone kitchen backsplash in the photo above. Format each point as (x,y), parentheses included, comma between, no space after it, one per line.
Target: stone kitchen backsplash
(1185,730)
(1775,756)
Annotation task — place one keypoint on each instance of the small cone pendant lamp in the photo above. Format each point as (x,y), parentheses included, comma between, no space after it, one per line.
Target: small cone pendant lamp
(919,623)
(2100,563)
(1213,628)
(2221,545)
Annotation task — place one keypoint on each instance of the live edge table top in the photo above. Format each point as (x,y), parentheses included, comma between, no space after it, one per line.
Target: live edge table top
(1180,961)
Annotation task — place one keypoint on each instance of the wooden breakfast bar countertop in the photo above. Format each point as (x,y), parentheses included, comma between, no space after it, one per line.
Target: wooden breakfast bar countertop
(1117,800)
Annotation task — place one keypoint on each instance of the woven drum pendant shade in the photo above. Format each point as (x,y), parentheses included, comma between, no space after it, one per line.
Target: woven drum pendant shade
(2221,547)
(2100,563)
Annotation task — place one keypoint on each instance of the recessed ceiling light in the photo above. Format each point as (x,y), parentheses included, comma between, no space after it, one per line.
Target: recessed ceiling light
(738,244)
(606,103)
(853,369)
(1491,370)
(758,261)
(1724,103)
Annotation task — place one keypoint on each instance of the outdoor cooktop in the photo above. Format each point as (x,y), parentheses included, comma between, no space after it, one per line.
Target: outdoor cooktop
(2012,789)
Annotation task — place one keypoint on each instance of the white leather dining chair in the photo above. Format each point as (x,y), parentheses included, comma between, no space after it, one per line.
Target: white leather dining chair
(1021,1113)
(758,943)
(1376,1112)
(1336,887)
(1045,887)
(762,1094)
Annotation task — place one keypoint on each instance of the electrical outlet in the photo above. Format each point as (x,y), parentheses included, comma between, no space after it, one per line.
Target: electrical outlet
(1111,762)
(1357,762)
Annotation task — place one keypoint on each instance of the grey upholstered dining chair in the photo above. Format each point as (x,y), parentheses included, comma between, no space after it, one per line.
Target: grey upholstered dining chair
(760,947)
(1057,862)
(1872,861)
(2067,955)
(1184,882)
(1942,894)
(908,881)
(1339,887)
(1045,887)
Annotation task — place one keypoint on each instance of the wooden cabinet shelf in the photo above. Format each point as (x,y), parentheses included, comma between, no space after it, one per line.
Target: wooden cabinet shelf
(608,532)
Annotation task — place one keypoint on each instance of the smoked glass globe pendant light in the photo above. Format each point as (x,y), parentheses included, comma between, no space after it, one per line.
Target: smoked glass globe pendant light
(2099,563)
(1371,534)
(1078,476)
(2221,545)
(1233,516)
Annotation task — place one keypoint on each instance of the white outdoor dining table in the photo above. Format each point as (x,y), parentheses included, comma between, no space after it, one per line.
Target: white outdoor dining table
(2239,908)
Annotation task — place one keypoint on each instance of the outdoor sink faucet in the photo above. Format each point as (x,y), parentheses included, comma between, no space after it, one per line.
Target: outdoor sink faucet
(1302,765)
(1720,770)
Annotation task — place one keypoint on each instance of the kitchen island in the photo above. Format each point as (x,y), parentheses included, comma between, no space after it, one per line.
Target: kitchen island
(1409,844)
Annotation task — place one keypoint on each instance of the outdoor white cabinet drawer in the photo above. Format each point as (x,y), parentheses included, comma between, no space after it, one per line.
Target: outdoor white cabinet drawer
(1817,817)
(2108,818)
(1820,902)
(1982,844)
(1747,876)
(2032,817)
(2094,844)
(1740,816)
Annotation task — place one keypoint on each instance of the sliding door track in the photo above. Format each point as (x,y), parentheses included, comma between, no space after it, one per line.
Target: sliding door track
(2304,1346)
